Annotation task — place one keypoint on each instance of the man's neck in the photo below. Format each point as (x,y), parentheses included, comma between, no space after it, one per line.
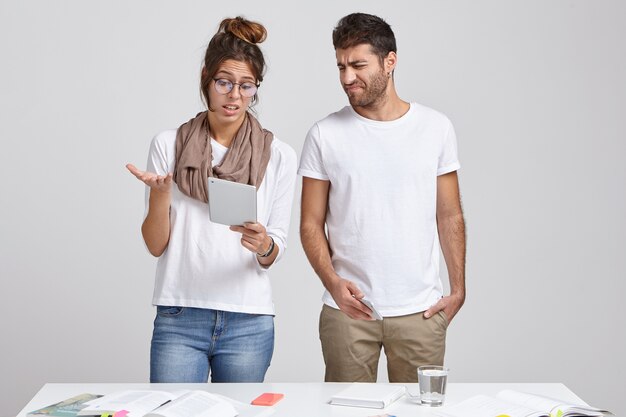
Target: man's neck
(388,108)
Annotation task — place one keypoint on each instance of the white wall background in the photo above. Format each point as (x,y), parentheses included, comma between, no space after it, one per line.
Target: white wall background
(535,89)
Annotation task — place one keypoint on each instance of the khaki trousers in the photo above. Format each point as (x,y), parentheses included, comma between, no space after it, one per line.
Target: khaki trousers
(351,348)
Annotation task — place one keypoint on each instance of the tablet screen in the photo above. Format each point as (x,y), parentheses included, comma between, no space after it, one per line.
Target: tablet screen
(231,203)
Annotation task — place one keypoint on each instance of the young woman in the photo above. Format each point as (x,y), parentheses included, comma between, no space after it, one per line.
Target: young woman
(212,290)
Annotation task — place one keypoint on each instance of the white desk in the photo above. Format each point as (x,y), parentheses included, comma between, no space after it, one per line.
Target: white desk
(303,399)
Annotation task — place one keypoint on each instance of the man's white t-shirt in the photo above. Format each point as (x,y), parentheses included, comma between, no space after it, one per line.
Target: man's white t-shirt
(205,265)
(381,218)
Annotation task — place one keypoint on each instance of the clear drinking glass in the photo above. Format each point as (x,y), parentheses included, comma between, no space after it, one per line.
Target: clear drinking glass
(432,381)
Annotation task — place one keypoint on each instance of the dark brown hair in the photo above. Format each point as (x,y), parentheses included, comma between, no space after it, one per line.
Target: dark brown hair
(237,39)
(361,28)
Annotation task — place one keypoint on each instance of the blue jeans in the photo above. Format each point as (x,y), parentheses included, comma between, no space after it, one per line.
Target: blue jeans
(188,343)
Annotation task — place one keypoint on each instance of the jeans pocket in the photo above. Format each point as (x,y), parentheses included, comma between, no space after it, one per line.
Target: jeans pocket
(169,311)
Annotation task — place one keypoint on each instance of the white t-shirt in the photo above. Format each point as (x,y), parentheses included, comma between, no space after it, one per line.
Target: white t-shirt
(205,265)
(381,218)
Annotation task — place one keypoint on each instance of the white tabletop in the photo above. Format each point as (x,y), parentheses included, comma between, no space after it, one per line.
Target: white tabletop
(303,399)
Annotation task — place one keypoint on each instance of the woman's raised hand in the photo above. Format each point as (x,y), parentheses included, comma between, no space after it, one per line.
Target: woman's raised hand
(161,183)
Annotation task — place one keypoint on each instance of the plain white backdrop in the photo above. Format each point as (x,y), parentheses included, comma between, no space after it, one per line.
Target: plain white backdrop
(536,91)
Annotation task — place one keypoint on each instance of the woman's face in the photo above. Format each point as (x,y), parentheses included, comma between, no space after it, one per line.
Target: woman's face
(231,107)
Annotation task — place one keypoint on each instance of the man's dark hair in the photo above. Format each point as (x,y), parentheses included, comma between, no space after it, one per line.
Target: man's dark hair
(361,28)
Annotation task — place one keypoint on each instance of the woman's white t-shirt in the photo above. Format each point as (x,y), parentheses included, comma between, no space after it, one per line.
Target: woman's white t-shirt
(204,264)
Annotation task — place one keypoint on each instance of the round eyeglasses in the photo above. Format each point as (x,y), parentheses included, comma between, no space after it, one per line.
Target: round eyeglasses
(246,89)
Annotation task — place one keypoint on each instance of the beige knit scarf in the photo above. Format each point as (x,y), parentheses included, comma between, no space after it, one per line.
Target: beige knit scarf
(245,161)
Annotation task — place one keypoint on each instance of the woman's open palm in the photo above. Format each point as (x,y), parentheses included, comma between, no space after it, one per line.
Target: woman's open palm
(162,183)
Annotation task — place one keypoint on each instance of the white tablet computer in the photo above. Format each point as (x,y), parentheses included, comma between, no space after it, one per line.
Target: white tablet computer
(231,203)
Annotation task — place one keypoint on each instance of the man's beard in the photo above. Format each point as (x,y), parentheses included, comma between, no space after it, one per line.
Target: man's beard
(371,94)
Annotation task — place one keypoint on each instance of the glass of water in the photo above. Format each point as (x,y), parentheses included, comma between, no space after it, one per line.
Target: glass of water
(432,381)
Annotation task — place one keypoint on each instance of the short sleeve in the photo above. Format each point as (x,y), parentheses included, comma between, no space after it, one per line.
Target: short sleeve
(311,161)
(448,157)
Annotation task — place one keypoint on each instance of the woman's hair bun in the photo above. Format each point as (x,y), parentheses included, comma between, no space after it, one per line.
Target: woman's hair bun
(246,30)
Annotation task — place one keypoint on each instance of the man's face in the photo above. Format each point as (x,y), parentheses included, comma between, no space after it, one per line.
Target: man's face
(362,77)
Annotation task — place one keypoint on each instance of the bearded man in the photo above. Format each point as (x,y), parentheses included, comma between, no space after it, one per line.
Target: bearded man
(380,195)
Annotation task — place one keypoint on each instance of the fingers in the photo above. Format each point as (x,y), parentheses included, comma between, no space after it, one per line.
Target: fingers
(448,304)
(152,180)
(360,305)
(250,240)
(248,234)
(354,309)
(255,227)
(164,180)
(253,245)
(243,230)
(157,182)
(434,309)
(249,229)
(365,309)
(248,245)
(358,311)
(358,315)
(354,290)
(349,295)
(253,236)
(133,169)
(253,240)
